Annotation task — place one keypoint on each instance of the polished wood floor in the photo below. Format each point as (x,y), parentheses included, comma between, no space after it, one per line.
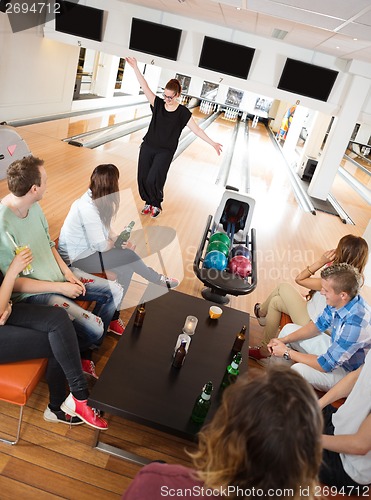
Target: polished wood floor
(53,461)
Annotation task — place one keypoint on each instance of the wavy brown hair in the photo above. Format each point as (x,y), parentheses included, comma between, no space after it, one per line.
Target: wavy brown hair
(352,250)
(104,186)
(265,435)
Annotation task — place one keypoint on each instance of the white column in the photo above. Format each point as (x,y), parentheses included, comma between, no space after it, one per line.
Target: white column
(316,135)
(292,137)
(338,137)
(106,75)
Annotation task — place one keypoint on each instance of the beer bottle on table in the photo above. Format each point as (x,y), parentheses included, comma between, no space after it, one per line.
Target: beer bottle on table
(182,336)
(180,355)
(239,340)
(232,371)
(202,404)
(124,236)
(139,315)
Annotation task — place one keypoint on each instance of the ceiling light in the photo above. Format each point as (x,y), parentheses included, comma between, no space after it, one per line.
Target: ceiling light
(355,39)
(279,34)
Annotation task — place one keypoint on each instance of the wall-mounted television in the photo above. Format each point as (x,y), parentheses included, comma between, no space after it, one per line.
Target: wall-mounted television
(155,39)
(307,79)
(79,20)
(226,57)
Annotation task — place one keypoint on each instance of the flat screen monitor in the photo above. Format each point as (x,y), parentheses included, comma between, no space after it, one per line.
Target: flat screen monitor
(80,20)
(155,39)
(226,57)
(307,79)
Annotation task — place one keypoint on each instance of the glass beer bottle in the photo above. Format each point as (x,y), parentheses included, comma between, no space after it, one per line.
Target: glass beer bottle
(232,371)
(202,404)
(139,316)
(239,340)
(180,355)
(124,236)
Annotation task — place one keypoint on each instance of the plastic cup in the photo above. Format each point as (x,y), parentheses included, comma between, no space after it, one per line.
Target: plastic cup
(28,269)
(215,312)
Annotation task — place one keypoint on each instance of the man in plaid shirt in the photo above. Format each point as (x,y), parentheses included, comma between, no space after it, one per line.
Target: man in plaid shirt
(320,358)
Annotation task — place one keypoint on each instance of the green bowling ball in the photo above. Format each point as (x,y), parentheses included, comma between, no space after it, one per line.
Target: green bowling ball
(224,238)
(218,245)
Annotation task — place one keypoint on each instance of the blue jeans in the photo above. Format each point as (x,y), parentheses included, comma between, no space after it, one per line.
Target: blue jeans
(90,326)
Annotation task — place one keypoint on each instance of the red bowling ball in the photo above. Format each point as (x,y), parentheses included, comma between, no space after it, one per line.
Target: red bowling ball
(240,265)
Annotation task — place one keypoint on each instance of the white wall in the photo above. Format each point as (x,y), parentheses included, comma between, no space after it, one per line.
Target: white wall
(37,74)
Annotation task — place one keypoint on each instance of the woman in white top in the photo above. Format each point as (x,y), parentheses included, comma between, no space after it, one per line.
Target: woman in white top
(286,299)
(87,239)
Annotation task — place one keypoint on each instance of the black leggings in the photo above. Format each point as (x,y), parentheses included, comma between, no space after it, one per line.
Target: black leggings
(37,331)
(153,166)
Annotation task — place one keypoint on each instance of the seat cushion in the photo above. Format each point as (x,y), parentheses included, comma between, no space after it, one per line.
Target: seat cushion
(18,380)
(285,319)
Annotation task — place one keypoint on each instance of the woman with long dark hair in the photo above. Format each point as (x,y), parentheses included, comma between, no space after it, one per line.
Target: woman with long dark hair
(88,242)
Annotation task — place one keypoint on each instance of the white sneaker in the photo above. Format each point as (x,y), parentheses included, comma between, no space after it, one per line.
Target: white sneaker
(60,417)
(169,282)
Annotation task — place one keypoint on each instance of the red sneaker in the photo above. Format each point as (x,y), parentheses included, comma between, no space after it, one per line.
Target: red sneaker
(88,367)
(156,212)
(80,409)
(117,326)
(255,354)
(146,209)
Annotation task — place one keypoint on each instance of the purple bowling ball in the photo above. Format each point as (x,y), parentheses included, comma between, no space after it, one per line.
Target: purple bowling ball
(241,250)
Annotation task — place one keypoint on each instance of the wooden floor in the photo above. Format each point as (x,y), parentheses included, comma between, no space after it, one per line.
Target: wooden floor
(54,461)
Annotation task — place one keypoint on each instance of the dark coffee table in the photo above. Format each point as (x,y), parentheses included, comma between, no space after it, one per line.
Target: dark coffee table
(139,382)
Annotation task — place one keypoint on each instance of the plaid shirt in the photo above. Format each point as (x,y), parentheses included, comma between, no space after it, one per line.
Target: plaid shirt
(350,334)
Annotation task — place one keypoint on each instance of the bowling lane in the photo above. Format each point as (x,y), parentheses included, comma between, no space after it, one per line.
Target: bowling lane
(361,175)
(67,127)
(126,145)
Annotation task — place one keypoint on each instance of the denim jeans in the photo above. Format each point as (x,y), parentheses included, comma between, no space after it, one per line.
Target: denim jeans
(90,326)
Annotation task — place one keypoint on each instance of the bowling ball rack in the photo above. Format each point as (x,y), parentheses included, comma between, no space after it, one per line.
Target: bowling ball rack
(219,284)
